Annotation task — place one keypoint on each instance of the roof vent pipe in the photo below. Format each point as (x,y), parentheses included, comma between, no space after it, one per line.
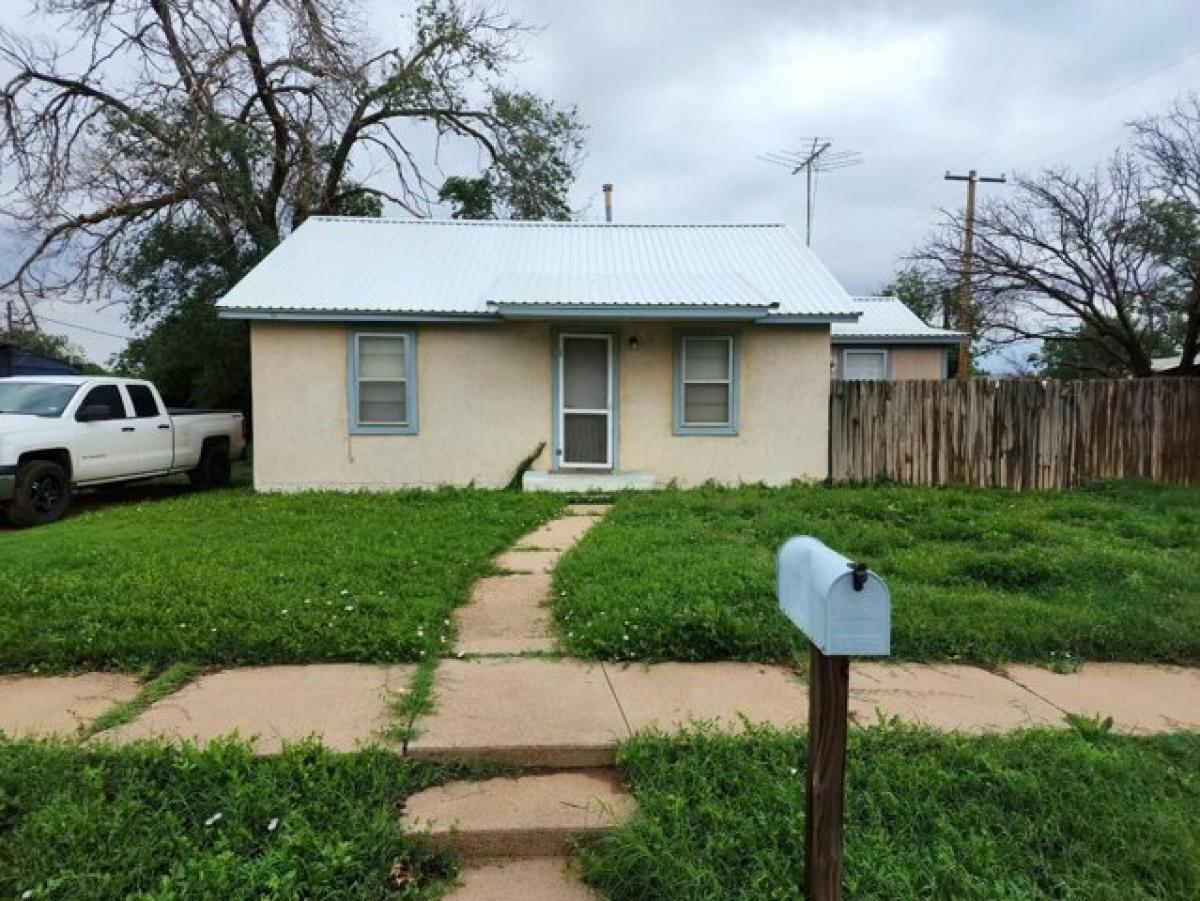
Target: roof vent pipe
(607,188)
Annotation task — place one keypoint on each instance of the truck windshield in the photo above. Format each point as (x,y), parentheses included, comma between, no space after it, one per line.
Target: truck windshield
(35,398)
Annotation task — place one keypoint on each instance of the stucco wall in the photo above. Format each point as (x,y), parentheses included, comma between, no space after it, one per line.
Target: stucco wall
(784,421)
(485,402)
(918,363)
(922,362)
(484,399)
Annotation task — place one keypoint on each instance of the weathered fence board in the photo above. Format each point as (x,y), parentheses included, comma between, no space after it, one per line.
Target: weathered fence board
(1020,434)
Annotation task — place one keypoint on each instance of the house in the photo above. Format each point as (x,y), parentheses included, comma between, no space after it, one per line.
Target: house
(889,341)
(390,353)
(16,360)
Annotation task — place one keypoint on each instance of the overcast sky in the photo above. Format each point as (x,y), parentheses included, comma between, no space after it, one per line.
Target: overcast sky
(682,95)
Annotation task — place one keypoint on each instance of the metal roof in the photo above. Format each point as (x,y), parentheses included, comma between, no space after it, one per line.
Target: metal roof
(353,267)
(888,320)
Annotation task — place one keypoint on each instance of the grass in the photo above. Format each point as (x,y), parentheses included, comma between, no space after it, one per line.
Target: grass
(1085,815)
(1110,573)
(169,681)
(151,822)
(232,577)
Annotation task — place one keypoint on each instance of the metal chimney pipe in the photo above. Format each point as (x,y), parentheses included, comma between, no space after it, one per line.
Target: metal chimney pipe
(607,188)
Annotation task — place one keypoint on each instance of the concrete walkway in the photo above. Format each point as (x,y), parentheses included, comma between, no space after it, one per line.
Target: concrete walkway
(560,720)
(509,614)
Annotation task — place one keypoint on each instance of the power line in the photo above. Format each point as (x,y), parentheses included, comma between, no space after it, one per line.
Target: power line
(966,310)
(908,192)
(85,328)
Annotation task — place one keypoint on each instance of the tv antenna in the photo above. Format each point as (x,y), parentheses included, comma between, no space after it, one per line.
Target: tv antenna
(816,155)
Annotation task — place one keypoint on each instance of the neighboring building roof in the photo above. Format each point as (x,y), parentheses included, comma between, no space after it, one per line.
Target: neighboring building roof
(341,268)
(16,360)
(886,320)
(1162,364)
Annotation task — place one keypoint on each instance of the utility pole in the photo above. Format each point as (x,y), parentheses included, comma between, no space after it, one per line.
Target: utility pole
(817,156)
(966,308)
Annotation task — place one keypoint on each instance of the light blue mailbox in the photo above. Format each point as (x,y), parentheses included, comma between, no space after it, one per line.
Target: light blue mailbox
(843,608)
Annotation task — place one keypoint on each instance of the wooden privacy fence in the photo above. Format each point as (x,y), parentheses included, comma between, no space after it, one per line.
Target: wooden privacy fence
(1019,434)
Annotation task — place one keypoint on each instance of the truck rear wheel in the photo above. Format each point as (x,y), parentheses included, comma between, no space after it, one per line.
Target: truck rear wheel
(214,469)
(43,494)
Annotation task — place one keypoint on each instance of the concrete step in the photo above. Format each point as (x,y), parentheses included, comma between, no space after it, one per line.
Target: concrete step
(518,817)
(535,879)
(524,712)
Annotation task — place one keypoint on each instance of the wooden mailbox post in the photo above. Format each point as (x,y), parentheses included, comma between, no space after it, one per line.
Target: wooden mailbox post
(845,610)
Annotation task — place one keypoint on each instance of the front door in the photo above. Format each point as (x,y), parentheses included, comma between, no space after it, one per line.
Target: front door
(585,420)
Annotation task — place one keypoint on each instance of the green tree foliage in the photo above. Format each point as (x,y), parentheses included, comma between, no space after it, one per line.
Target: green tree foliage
(471,198)
(201,132)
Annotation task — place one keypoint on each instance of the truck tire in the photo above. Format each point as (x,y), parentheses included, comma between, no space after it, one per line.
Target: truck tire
(214,469)
(42,496)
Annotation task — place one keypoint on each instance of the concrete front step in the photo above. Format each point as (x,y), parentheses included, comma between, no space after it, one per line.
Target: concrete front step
(520,816)
(535,879)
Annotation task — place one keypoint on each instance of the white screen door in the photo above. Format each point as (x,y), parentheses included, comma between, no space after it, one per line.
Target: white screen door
(585,401)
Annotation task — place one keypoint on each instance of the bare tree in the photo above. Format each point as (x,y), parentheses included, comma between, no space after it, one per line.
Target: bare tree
(1064,257)
(242,117)
(1171,146)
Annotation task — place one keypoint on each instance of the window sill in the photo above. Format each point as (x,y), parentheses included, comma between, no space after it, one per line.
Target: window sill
(709,430)
(383,430)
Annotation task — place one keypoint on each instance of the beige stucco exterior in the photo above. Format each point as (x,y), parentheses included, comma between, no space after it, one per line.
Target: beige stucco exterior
(905,362)
(485,402)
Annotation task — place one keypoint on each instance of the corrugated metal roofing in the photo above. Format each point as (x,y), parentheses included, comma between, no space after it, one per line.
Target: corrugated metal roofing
(888,317)
(335,265)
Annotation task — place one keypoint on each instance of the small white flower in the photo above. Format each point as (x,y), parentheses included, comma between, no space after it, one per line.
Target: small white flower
(626,637)
(214,819)
(348,607)
(345,592)
(283,612)
(793,771)
(28,893)
(273,825)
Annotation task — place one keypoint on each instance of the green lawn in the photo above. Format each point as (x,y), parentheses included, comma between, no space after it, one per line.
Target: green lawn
(1080,815)
(152,823)
(1112,572)
(233,577)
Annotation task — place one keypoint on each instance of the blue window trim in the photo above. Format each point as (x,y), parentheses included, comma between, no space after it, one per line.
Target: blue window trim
(735,386)
(410,357)
(556,334)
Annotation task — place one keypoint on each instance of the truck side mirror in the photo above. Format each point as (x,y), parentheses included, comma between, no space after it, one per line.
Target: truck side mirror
(93,413)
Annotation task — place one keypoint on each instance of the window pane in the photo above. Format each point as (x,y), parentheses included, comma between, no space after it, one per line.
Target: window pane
(144,406)
(585,438)
(706,404)
(106,396)
(382,403)
(706,358)
(864,365)
(585,373)
(381,357)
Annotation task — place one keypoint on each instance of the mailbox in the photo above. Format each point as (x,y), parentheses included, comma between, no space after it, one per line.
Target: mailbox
(842,607)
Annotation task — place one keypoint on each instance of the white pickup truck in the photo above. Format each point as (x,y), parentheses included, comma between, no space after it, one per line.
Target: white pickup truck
(58,433)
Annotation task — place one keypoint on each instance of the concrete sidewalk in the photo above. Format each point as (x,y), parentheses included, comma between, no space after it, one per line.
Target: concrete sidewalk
(569,713)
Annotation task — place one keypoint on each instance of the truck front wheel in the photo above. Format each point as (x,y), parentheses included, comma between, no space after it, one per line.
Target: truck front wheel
(42,495)
(214,469)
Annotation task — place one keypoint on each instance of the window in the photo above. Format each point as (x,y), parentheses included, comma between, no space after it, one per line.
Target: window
(144,404)
(864,365)
(382,377)
(706,384)
(105,396)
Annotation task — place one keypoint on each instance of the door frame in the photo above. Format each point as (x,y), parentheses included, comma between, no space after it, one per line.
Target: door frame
(558,412)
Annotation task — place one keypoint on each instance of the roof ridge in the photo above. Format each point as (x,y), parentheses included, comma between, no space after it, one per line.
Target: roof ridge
(539,223)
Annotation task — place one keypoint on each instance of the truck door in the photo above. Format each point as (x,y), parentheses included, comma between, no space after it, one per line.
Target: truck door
(106,448)
(156,447)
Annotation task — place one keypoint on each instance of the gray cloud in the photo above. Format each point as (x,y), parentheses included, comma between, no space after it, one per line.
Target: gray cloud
(683,95)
